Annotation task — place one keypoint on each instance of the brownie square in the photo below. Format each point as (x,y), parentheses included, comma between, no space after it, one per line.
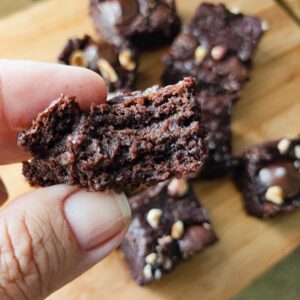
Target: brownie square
(215,48)
(269,177)
(147,24)
(169,226)
(217,108)
(116,64)
(143,137)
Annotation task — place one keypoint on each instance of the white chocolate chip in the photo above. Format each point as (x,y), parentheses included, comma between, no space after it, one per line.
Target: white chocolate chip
(157,274)
(206,225)
(159,259)
(297,164)
(126,61)
(275,194)
(297,151)
(177,230)
(200,53)
(107,70)
(218,52)
(148,271)
(165,240)
(265,26)
(151,258)
(178,187)
(77,59)
(283,146)
(235,10)
(153,217)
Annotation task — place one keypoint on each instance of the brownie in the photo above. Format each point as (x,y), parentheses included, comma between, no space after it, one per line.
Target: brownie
(142,137)
(216,48)
(269,177)
(3,192)
(168,226)
(147,24)
(116,64)
(217,108)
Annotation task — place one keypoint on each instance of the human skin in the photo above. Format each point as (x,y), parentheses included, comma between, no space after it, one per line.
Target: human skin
(50,236)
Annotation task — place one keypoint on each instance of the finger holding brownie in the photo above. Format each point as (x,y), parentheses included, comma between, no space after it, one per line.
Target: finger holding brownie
(51,235)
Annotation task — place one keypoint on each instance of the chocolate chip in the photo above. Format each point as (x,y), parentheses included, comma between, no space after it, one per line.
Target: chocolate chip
(282,174)
(130,9)
(194,239)
(159,16)
(184,46)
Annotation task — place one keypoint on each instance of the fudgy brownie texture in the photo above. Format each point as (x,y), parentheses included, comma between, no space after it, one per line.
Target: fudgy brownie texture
(145,23)
(116,64)
(269,177)
(142,137)
(169,225)
(217,108)
(215,48)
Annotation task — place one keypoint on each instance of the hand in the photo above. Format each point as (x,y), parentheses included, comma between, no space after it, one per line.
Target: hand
(51,235)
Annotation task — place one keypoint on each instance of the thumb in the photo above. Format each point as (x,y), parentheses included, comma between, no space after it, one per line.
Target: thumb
(50,236)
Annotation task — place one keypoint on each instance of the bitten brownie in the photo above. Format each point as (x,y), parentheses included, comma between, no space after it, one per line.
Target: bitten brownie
(217,108)
(117,65)
(169,225)
(137,138)
(215,48)
(146,24)
(269,177)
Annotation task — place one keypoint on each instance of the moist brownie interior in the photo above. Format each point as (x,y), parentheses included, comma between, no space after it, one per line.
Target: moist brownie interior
(136,138)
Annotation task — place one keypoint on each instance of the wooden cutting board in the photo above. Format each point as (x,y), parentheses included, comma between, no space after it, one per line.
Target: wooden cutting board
(269,108)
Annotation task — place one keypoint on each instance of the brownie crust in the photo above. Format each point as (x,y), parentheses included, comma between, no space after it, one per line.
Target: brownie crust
(215,48)
(143,137)
(269,178)
(169,226)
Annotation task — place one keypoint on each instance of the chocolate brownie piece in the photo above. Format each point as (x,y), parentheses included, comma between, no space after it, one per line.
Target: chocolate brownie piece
(3,192)
(146,24)
(269,177)
(142,137)
(215,48)
(117,65)
(169,226)
(217,108)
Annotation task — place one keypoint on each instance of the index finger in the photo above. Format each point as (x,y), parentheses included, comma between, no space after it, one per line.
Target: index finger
(27,88)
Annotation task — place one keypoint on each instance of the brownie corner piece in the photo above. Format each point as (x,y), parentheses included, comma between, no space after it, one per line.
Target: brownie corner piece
(116,64)
(147,24)
(268,176)
(169,226)
(142,137)
(216,48)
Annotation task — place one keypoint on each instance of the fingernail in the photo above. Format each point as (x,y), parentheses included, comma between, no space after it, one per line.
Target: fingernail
(3,192)
(96,217)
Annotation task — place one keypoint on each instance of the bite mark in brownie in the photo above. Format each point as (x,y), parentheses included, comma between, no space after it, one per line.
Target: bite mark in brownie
(142,137)
(116,64)
(215,48)
(169,226)
(147,24)
(269,177)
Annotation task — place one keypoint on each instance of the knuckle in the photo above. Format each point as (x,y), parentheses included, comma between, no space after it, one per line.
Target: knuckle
(21,256)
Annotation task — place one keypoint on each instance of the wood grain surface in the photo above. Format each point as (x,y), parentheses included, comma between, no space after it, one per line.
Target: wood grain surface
(269,108)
